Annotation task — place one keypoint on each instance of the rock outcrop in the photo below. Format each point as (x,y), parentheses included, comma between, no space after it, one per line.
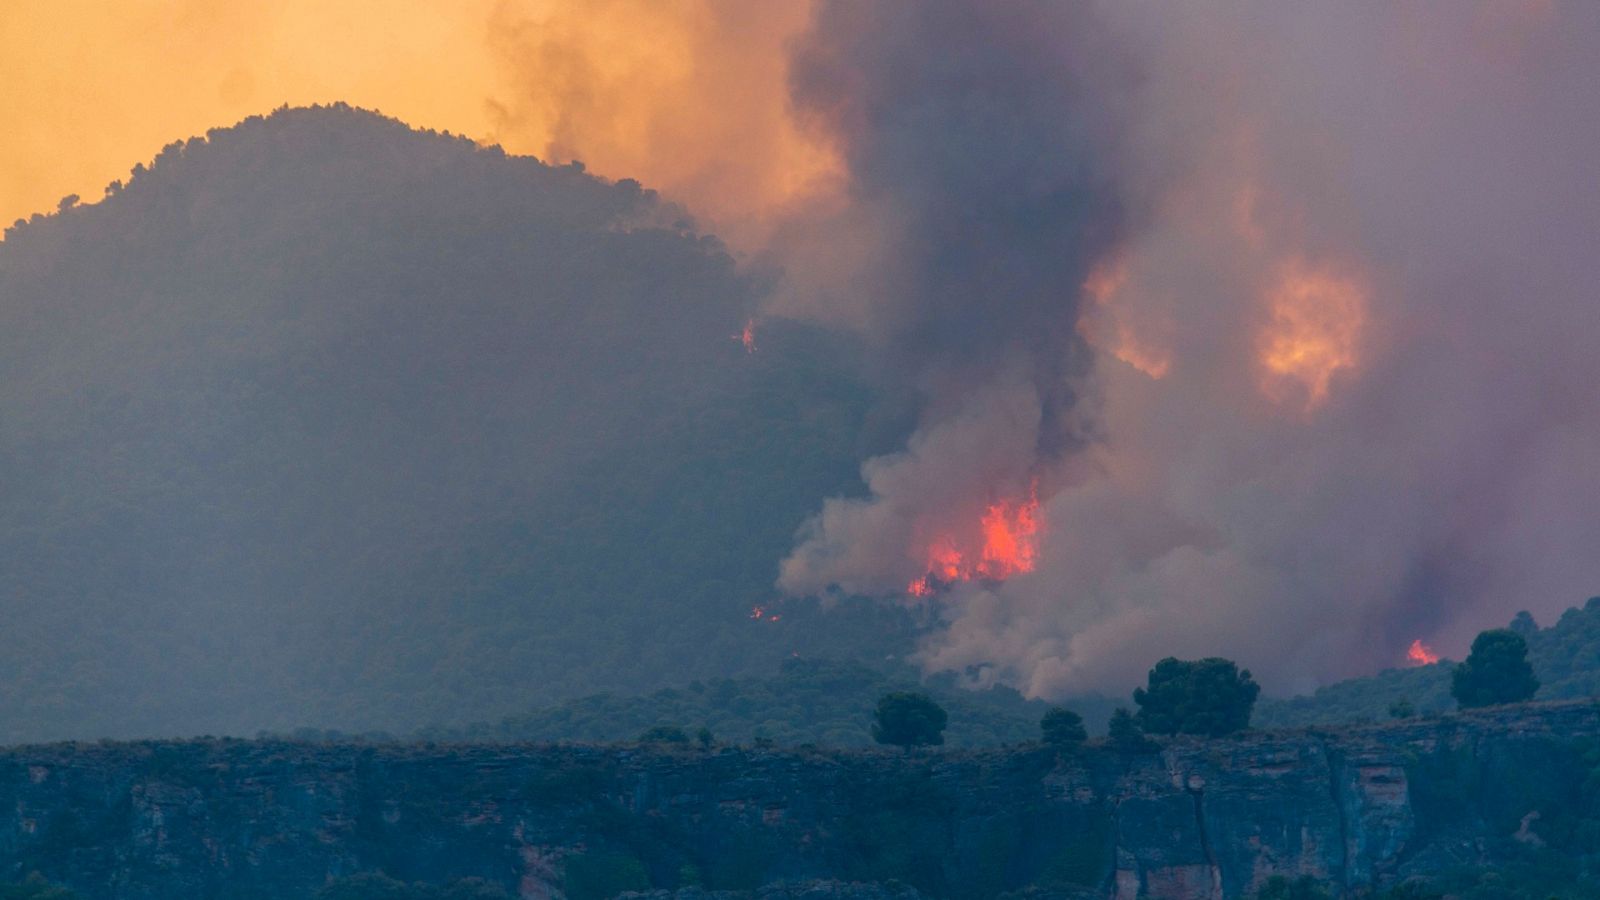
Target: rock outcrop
(1357,810)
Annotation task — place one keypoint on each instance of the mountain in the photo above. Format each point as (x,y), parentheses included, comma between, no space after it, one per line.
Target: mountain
(1565,658)
(321,420)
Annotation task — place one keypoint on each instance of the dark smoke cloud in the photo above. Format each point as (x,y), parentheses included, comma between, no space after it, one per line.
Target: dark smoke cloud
(1342,394)
(971,133)
(977,142)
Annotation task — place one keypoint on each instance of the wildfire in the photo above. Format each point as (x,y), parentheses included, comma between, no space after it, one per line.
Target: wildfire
(1420,654)
(1009,533)
(759,613)
(1316,321)
(1103,326)
(747,337)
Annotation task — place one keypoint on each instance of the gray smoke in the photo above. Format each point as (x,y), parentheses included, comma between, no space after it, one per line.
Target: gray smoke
(1414,190)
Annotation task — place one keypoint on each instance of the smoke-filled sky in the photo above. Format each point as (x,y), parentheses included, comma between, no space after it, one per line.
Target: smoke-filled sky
(1285,314)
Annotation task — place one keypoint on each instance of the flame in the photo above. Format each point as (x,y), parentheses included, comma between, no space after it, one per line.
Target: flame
(747,337)
(1420,654)
(1316,322)
(1009,545)
(1010,538)
(757,612)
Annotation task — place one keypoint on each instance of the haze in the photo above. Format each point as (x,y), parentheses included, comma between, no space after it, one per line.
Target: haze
(1039,342)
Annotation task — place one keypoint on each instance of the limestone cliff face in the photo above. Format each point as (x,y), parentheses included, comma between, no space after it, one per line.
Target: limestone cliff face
(1357,809)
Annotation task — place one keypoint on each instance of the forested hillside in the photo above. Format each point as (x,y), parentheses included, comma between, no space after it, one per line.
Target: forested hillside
(1565,658)
(320,420)
(820,701)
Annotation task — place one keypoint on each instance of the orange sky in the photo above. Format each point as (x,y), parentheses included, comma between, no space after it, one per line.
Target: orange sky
(632,87)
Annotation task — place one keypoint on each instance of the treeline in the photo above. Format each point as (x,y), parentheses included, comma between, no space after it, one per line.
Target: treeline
(808,701)
(1565,658)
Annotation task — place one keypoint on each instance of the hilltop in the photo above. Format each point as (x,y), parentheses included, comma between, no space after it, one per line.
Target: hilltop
(323,420)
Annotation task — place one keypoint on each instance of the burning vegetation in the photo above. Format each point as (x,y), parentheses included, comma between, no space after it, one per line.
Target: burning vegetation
(1420,654)
(1007,544)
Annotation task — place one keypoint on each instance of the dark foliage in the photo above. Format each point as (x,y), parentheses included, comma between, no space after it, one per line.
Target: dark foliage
(907,719)
(1124,735)
(1496,671)
(815,701)
(599,875)
(1062,729)
(1208,696)
(664,734)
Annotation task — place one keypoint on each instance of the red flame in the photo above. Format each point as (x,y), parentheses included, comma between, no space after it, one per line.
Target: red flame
(1010,543)
(1421,654)
(747,337)
(757,612)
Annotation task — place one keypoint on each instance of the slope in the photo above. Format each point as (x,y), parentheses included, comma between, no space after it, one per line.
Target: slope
(323,420)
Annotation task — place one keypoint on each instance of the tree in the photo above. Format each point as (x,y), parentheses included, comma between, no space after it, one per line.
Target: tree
(907,719)
(704,737)
(1402,709)
(1063,729)
(664,734)
(1496,671)
(1210,696)
(1524,624)
(1125,735)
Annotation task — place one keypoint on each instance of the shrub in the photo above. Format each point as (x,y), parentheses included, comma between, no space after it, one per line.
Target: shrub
(907,719)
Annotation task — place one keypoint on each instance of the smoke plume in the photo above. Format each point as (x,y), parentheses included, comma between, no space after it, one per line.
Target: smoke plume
(1287,315)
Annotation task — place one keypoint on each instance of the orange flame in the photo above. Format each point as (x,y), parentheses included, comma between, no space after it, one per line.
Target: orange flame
(1420,654)
(747,337)
(1010,544)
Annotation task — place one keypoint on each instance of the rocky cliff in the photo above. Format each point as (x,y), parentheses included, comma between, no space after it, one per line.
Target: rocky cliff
(1357,810)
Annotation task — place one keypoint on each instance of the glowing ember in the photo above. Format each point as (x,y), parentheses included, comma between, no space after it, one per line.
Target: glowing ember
(760,613)
(747,337)
(1316,320)
(1009,532)
(757,612)
(1420,654)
